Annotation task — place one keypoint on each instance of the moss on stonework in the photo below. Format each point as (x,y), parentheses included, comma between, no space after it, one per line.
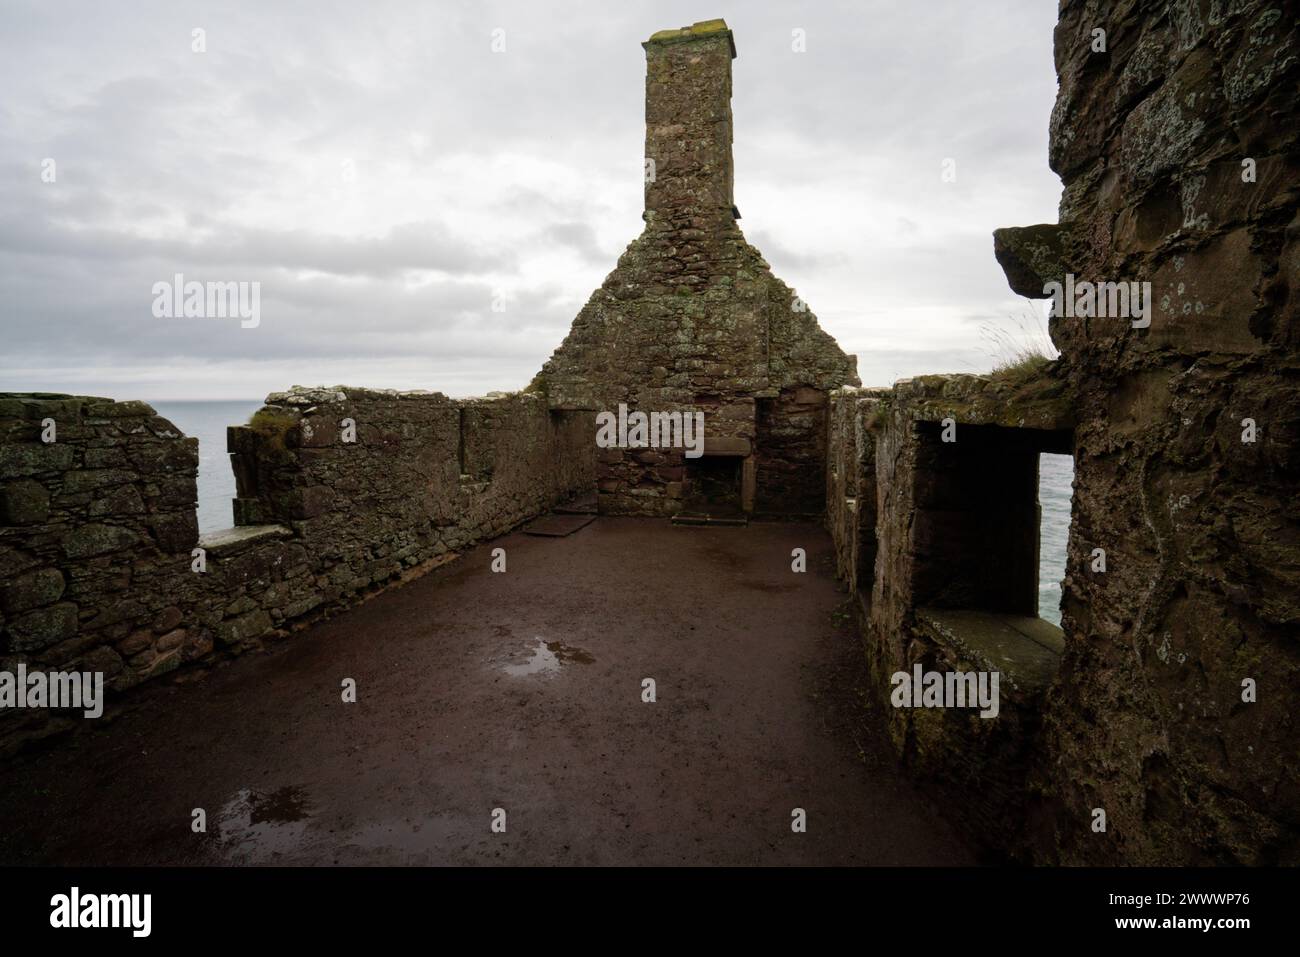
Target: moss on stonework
(701,28)
(272,425)
(1027,396)
(540,385)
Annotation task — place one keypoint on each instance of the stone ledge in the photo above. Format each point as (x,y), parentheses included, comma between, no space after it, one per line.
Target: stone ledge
(1037,400)
(1031,256)
(722,445)
(232,541)
(1026,651)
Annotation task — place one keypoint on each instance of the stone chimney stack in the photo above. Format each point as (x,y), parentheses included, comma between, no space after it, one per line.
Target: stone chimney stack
(692,321)
(688,124)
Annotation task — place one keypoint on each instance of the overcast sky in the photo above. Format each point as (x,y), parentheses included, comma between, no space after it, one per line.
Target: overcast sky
(386,176)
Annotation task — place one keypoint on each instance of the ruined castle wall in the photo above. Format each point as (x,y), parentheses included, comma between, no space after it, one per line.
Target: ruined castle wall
(791,452)
(692,318)
(1177,148)
(1172,708)
(98,526)
(851,491)
(937,552)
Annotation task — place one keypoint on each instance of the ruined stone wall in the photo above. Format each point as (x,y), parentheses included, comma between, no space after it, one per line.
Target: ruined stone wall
(791,453)
(692,317)
(99,525)
(936,550)
(1172,707)
(851,493)
(96,527)
(1177,148)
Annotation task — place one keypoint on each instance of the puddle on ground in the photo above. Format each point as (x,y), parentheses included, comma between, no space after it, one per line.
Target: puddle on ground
(256,826)
(548,657)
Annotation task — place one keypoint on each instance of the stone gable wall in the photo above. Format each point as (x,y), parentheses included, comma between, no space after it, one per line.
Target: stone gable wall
(692,318)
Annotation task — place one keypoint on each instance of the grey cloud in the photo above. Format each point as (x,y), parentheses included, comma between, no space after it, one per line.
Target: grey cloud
(783,258)
(168,160)
(579,237)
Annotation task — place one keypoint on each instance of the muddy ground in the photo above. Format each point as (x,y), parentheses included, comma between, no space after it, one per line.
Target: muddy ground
(520,691)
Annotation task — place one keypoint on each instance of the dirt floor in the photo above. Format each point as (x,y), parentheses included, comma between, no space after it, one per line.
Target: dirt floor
(520,691)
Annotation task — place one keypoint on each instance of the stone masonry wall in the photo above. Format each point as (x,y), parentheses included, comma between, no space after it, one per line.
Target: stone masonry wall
(851,494)
(98,527)
(692,317)
(1173,707)
(1178,151)
(791,453)
(923,527)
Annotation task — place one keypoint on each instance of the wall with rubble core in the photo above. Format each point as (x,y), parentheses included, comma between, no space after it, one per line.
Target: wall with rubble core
(97,528)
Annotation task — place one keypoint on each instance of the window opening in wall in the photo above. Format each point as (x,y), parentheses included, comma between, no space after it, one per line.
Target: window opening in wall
(976,535)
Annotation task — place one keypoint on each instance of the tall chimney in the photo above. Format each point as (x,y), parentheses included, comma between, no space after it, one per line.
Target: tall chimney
(691,318)
(688,124)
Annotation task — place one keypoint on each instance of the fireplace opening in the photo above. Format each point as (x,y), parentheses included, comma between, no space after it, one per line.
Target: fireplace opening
(713,486)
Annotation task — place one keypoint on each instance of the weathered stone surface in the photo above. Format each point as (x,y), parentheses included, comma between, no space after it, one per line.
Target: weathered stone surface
(24,502)
(173,639)
(245,628)
(32,590)
(33,458)
(176,532)
(1031,256)
(102,659)
(123,500)
(98,539)
(93,480)
(232,541)
(135,643)
(39,629)
(692,319)
(1025,651)
(168,619)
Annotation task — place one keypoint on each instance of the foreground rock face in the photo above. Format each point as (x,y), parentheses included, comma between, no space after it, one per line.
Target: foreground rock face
(693,319)
(341,492)
(1173,710)
(1177,148)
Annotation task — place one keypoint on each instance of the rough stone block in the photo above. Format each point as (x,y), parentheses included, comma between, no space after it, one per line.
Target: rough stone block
(97,539)
(32,590)
(245,628)
(40,629)
(24,502)
(24,459)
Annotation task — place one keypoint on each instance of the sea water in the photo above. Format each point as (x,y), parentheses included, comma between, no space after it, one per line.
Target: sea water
(1055,483)
(207,421)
